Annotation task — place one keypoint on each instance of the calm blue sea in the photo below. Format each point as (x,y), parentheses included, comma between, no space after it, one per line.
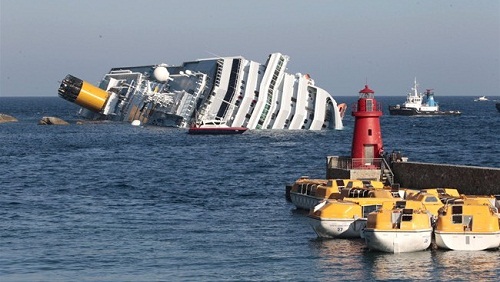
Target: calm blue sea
(113,202)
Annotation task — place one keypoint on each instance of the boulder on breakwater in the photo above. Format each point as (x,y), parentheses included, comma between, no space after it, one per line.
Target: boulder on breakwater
(52,121)
(7,118)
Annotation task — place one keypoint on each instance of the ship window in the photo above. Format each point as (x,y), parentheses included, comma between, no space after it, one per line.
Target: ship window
(369,132)
(456,210)
(431,199)
(457,219)
(369,209)
(369,105)
(400,204)
(407,215)
(313,190)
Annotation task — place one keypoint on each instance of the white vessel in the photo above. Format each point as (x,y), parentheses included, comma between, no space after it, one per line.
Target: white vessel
(306,193)
(420,104)
(240,92)
(482,98)
(215,127)
(346,218)
(401,227)
(468,224)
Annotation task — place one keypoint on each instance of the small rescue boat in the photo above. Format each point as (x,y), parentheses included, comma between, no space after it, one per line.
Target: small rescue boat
(400,227)
(443,193)
(346,218)
(434,198)
(306,193)
(470,223)
(215,127)
(481,99)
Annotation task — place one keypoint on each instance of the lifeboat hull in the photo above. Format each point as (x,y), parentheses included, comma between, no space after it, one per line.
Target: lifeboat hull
(398,241)
(338,228)
(467,241)
(302,201)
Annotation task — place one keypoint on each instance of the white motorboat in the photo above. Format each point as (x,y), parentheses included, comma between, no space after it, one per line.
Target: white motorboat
(215,127)
(481,98)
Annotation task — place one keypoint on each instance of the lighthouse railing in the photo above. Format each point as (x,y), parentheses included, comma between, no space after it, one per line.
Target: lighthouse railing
(348,163)
(373,108)
(357,163)
(366,163)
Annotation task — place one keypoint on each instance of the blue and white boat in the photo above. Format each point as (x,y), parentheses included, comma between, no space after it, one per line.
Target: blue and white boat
(420,104)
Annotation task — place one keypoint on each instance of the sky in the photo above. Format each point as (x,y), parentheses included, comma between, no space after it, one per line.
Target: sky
(450,46)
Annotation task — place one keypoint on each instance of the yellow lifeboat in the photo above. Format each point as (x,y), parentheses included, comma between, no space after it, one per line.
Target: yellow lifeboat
(346,218)
(470,223)
(399,227)
(431,202)
(307,192)
(443,194)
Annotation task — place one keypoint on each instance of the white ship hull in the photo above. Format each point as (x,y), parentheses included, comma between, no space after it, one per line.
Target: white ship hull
(398,241)
(467,241)
(338,228)
(240,92)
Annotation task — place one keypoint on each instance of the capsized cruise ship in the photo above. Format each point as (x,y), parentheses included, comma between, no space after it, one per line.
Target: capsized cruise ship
(235,90)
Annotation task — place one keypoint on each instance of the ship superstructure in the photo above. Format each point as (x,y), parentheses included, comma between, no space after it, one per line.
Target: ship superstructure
(235,90)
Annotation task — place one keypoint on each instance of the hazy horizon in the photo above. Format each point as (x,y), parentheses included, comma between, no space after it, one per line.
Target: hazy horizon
(450,46)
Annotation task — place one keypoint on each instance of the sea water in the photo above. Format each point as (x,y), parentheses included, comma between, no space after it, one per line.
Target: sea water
(114,202)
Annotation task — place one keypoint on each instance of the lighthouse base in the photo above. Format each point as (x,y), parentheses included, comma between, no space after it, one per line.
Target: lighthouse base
(361,174)
(362,169)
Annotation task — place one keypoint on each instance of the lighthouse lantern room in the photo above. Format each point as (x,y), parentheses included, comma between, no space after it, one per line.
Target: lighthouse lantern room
(367,138)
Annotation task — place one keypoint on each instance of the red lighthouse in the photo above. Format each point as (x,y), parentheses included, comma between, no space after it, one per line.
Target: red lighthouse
(367,138)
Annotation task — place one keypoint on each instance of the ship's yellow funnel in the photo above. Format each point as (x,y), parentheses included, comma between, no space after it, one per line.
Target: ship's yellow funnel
(83,93)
